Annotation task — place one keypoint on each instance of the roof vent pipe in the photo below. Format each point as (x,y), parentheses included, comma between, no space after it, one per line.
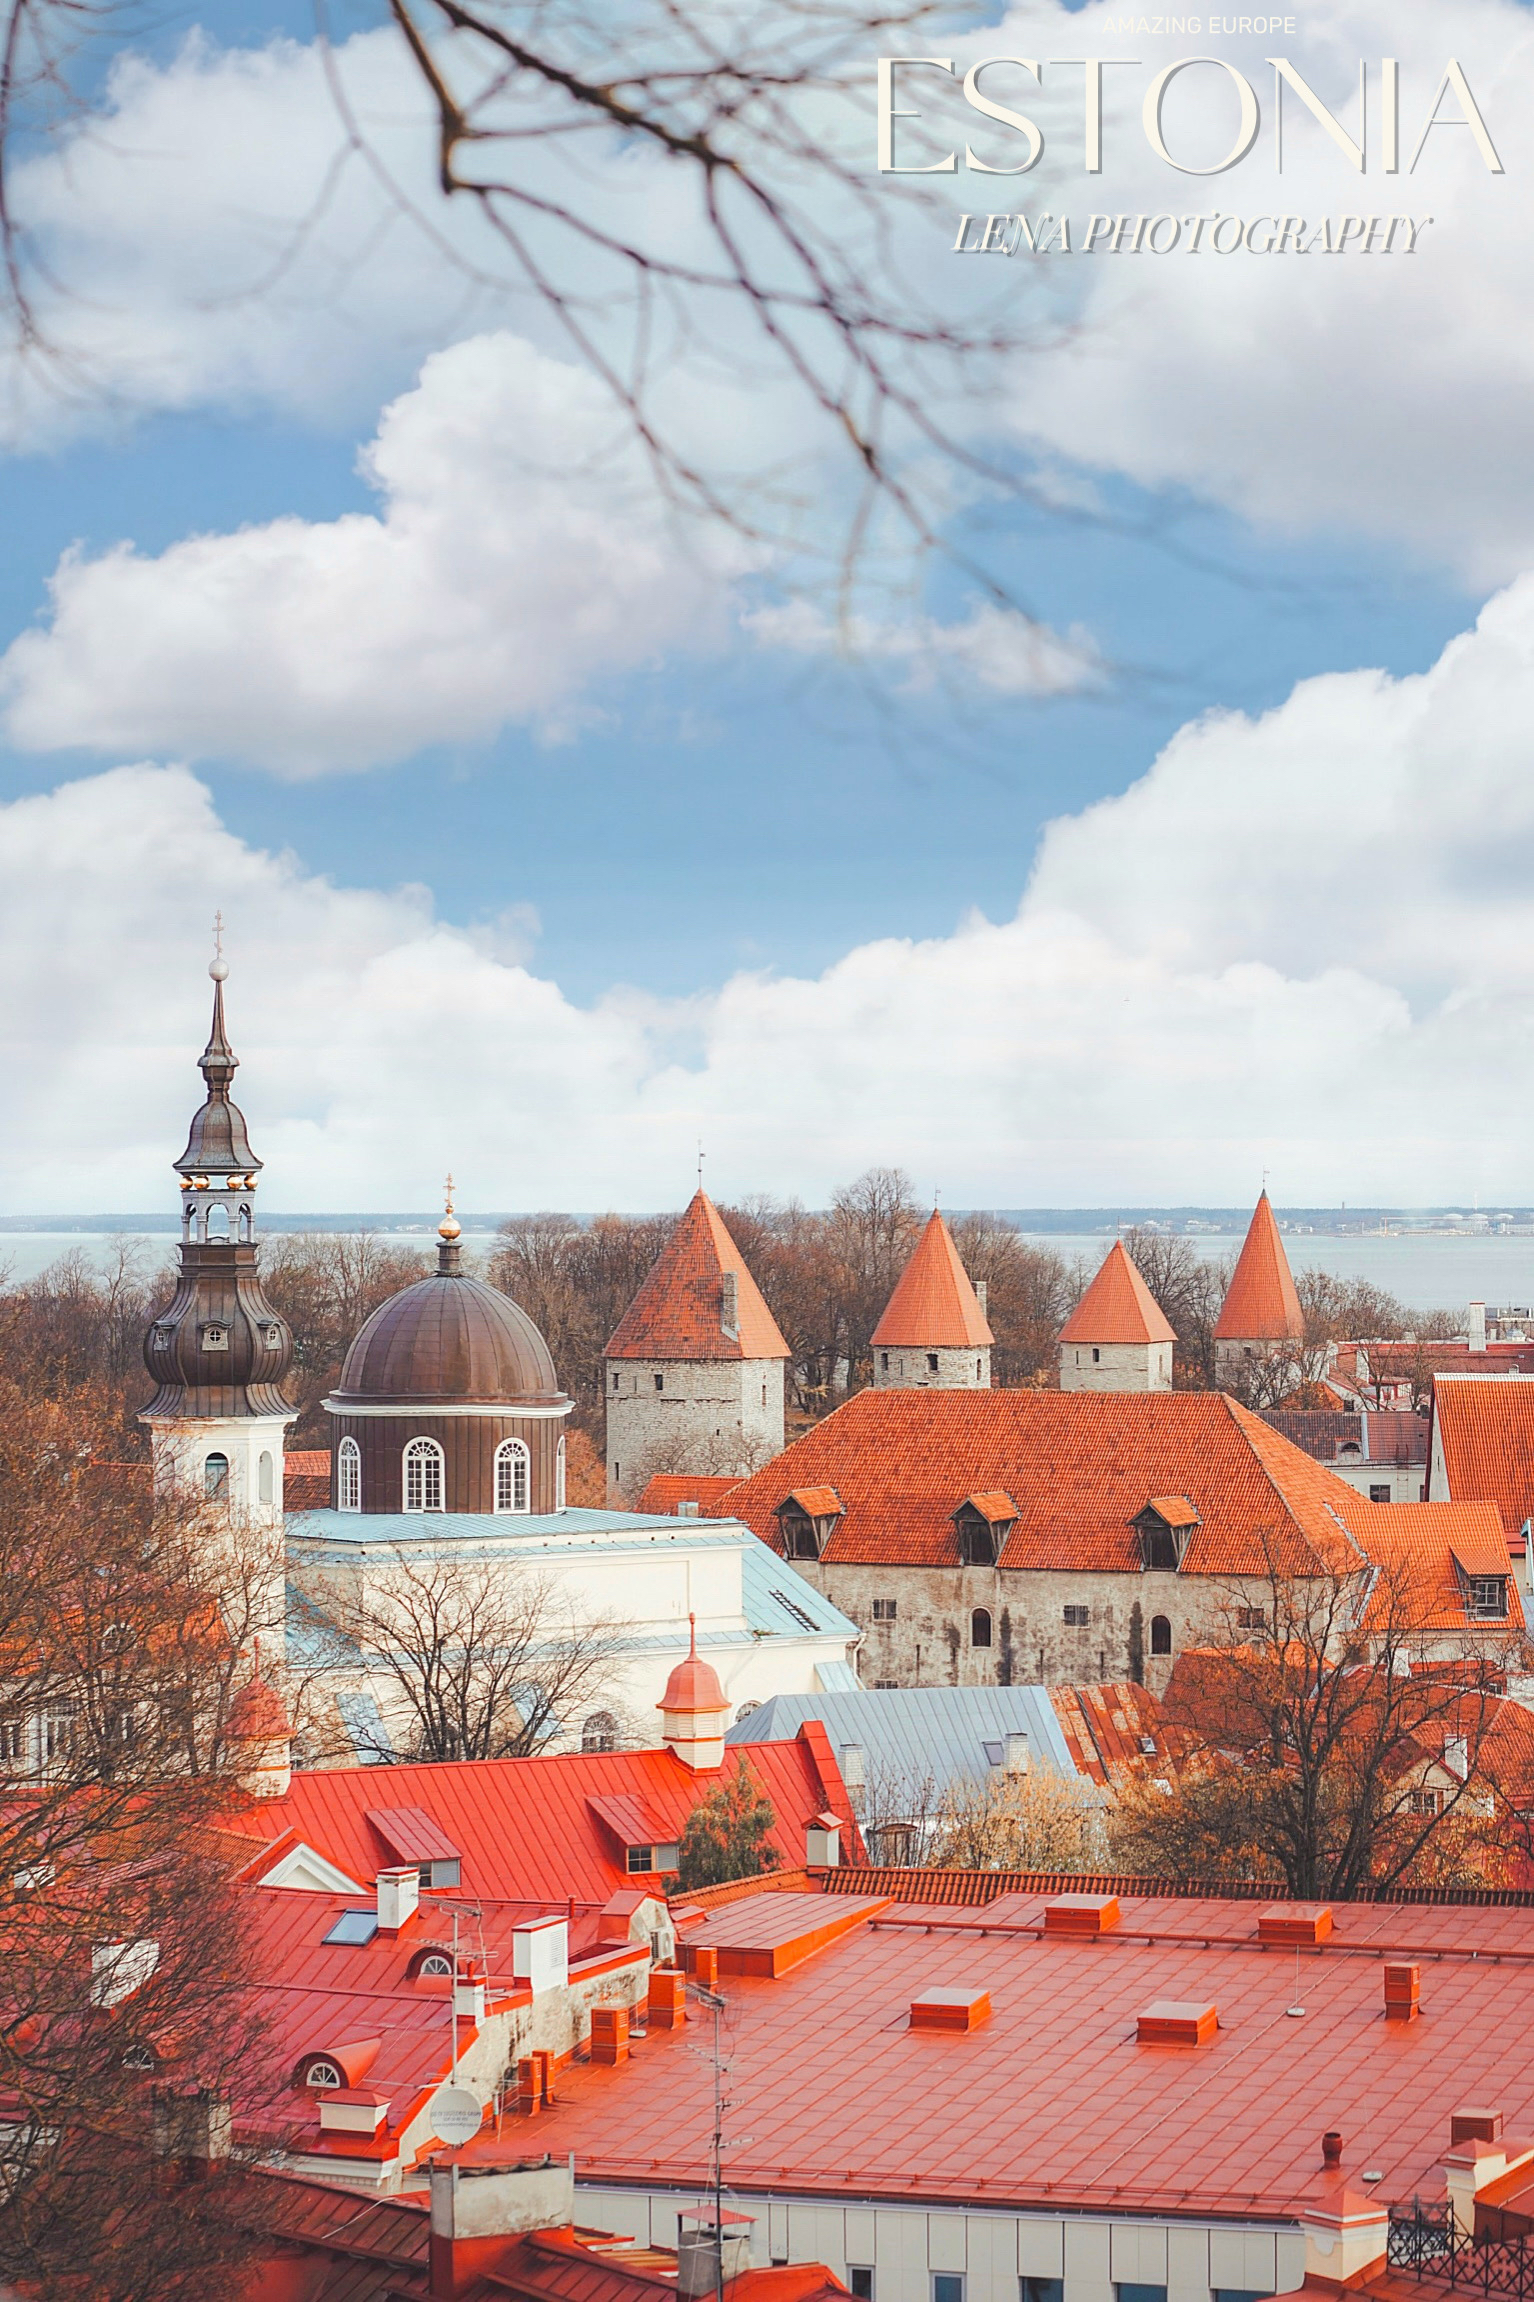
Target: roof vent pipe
(1331,2147)
(1477,1327)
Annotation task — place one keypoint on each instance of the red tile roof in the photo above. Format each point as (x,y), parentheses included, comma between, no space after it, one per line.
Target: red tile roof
(669,1490)
(306,1479)
(1418,1545)
(834,2094)
(1118,1307)
(678,1312)
(530,1826)
(934,1307)
(1107,1727)
(1261,1305)
(1079,1466)
(1485,1429)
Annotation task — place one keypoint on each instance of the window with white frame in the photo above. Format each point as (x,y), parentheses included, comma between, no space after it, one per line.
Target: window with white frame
(512,1475)
(559,1477)
(321,2073)
(423,1475)
(349,1476)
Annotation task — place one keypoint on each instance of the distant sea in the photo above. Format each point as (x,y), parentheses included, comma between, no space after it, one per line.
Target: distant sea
(1427,1271)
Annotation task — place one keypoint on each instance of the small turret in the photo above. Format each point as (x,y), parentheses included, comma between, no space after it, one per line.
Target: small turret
(695,1710)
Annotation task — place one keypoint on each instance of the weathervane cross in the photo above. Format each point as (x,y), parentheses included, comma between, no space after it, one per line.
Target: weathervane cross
(448,1206)
(218,935)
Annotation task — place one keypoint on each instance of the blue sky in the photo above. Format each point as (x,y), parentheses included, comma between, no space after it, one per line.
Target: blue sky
(703,877)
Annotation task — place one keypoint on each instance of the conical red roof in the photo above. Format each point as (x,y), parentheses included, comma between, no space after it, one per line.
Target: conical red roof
(934,1307)
(1118,1307)
(679,1311)
(1261,1305)
(256,1714)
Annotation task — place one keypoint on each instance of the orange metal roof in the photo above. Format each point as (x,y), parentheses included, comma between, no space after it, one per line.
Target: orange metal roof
(934,1307)
(1106,1728)
(833,2093)
(533,1826)
(1118,1307)
(1261,1305)
(1486,1431)
(1079,1467)
(678,1312)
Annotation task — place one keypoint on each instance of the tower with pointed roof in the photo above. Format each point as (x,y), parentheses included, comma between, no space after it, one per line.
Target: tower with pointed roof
(218,1351)
(1117,1338)
(1260,1319)
(933,1335)
(694,1369)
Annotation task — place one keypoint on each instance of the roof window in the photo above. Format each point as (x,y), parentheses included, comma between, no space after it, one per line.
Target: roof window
(1165,1527)
(807,1520)
(351,1930)
(983,1523)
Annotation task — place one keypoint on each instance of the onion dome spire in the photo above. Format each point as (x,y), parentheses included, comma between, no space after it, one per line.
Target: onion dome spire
(218,1144)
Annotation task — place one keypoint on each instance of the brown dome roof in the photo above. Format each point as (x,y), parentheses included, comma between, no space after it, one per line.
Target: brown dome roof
(449,1341)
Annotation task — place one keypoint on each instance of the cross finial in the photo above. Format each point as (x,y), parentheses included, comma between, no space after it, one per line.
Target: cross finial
(447,1200)
(1265,1179)
(218,965)
(701,1157)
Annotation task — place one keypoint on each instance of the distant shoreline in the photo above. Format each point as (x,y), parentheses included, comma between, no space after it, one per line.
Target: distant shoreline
(1206,1222)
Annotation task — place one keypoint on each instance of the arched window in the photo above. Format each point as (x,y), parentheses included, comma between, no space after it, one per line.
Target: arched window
(349,1476)
(559,1478)
(264,1478)
(1161,1635)
(218,1223)
(244,1222)
(980,1627)
(435,1965)
(600,1732)
(512,1471)
(215,1474)
(423,1475)
(323,2073)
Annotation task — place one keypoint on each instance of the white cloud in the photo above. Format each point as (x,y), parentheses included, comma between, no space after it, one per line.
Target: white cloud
(994,647)
(1305,941)
(521,555)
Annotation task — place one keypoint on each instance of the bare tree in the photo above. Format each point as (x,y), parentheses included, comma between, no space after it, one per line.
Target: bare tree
(1316,1721)
(474,1658)
(1038,1820)
(1189,1287)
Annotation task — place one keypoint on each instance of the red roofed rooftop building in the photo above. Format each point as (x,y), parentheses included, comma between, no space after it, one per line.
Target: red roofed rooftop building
(1117,1338)
(933,1335)
(695,1366)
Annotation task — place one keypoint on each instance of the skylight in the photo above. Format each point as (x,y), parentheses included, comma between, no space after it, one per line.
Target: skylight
(354,1927)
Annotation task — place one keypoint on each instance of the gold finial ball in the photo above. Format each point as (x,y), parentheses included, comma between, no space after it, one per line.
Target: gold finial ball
(449,1228)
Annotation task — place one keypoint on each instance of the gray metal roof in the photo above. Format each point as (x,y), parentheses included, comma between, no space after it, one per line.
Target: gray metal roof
(912,1735)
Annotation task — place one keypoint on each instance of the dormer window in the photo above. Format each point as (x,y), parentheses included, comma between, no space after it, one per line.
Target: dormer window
(983,1523)
(1486,1599)
(807,1520)
(1165,1528)
(213,1336)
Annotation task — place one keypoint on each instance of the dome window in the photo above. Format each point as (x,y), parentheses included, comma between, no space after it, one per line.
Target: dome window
(213,1336)
(423,1476)
(349,1476)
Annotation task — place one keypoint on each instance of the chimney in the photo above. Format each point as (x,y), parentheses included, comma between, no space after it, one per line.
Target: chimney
(399,1893)
(729,1302)
(981,1290)
(480,2197)
(610,2035)
(540,1954)
(1403,1992)
(822,1842)
(1018,1755)
(1477,1327)
(703,2262)
(1331,2147)
(1456,1755)
(193,2130)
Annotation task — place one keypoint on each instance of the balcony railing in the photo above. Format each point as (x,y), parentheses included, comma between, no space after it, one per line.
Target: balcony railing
(1424,2242)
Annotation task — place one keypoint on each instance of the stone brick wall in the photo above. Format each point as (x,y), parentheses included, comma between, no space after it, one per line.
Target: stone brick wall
(946,1370)
(714,1417)
(1115,1366)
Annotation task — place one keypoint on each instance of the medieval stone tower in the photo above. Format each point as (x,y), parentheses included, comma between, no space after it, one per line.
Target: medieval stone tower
(694,1371)
(1117,1338)
(933,1334)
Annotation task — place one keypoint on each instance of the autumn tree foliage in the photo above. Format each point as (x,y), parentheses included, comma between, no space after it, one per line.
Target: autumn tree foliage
(1325,1750)
(123,2027)
(729,1835)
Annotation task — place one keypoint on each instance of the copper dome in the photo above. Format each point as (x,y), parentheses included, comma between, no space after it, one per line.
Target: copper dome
(449,1341)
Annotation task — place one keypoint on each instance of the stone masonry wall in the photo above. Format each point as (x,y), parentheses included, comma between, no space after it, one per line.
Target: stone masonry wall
(1115,1366)
(712,1417)
(946,1370)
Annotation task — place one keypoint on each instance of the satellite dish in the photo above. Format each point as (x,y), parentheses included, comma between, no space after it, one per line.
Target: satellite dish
(456,2115)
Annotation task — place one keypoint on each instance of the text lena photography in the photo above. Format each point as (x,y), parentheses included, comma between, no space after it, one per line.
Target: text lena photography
(767,1173)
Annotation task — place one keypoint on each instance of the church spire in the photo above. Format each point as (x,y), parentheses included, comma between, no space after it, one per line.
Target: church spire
(218,1151)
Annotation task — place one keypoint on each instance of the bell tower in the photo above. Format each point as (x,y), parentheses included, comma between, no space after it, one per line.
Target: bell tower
(218,1351)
